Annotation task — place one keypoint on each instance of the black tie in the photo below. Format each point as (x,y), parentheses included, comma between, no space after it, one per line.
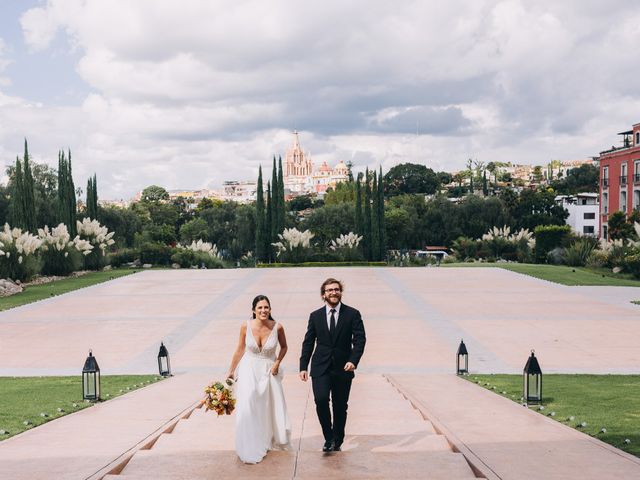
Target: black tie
(332,323)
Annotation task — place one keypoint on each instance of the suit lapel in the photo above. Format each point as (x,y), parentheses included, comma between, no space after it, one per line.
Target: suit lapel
(322,318)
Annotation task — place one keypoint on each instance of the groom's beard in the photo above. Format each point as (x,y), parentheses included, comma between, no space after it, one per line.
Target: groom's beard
(333,301)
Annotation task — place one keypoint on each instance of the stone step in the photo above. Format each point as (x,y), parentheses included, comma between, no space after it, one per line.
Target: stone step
(151,464)
(352,465)
(384,465)
(190,440)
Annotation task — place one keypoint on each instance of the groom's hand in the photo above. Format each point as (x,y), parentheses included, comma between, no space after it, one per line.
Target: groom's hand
(304,376)
(349,367)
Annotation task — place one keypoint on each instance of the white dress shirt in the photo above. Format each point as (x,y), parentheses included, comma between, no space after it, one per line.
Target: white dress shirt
(337,314)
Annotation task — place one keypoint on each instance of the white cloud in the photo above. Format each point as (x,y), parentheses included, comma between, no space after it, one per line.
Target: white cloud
(194,92)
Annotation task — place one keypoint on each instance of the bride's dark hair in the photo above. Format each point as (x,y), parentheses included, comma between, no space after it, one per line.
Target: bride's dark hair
(259,298)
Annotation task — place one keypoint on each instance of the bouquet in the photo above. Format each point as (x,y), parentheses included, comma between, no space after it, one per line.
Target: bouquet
(220,398)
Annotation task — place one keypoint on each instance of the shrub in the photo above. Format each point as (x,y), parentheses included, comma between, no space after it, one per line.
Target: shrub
(597,259)
(189,258)
(294,245)
(465,247)
(577,254)
(125,255)
(60,255)
(100,238)
(549,237)
(346,246)
(18,259)
(156,253)
(631,264)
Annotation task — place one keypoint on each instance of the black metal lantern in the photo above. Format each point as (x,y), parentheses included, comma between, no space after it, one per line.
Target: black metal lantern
(91,378)
(532,381)
(164,364)
(462,359)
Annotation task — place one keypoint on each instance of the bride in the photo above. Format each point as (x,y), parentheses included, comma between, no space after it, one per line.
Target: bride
(262,422)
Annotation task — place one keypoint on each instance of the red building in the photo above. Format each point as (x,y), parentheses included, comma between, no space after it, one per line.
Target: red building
(620,178)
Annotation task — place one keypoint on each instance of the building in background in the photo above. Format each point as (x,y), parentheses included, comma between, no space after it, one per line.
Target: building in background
(620,177)
(584,212)
(301,177)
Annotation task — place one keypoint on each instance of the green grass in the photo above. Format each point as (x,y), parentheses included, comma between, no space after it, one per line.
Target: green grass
(602,401)
(39,292)
(572,276)
(635,302)
(25,398)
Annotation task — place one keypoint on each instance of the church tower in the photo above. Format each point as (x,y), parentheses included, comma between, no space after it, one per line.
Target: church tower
(296,162)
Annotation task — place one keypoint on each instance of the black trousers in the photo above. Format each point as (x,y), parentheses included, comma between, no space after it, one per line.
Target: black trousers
(337,387)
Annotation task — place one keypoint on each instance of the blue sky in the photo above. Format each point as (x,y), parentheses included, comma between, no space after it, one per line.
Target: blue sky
(28,69)
(189,94)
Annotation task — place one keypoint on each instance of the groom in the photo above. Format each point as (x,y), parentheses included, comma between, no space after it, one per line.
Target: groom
(337,332)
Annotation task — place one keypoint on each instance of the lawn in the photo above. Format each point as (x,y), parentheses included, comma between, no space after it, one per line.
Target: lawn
(38,400)
(39,292)
(572,276)
(610,402)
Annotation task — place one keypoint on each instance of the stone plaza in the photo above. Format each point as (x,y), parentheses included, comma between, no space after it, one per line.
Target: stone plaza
(409,415)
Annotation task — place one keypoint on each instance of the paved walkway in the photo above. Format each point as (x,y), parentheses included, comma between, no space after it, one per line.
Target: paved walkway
(415,319)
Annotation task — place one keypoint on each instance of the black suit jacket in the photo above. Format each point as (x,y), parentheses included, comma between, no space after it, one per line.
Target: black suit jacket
(332,354)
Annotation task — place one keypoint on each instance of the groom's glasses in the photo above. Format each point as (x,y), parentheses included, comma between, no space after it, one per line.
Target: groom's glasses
(331,290)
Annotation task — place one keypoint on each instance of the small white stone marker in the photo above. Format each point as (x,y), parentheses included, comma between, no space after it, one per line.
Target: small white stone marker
(44,415)
(75,405)
(583,424)
(27,422)
(627,441)
(541,407)
(60,410)
(3,432)
(603,430)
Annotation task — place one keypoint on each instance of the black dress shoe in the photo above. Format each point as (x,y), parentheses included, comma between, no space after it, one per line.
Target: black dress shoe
(336,447)
(328,446)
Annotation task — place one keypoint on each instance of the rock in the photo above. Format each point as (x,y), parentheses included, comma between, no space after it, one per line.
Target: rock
(107,268)
(147,265)
(616,269)
(175,265)
(8,287)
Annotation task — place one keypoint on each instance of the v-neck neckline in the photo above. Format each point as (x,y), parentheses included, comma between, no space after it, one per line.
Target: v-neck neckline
(260,348)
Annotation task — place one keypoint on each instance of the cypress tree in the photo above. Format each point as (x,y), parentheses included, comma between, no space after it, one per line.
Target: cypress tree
(367,216)
(485,188)
(260,223)
(66,194)
(281,206)
(17,203)
(269,223)
(275,202)
(382,235)
(92,198)
(95,196)
(359,226)
(28,195)
(71,200)
(375,230)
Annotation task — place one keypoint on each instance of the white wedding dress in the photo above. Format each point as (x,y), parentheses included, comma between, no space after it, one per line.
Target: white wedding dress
(262,422)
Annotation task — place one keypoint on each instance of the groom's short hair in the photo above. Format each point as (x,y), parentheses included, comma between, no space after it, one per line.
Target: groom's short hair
(329,281)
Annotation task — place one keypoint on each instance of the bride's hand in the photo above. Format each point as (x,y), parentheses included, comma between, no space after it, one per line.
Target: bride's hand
(275,368)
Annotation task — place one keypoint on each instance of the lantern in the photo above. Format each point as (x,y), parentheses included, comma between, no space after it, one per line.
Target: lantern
(532,380)
(462,359)
(164,364)
(91,378)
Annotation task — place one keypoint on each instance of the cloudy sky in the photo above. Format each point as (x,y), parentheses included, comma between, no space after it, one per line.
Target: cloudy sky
(186,94)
